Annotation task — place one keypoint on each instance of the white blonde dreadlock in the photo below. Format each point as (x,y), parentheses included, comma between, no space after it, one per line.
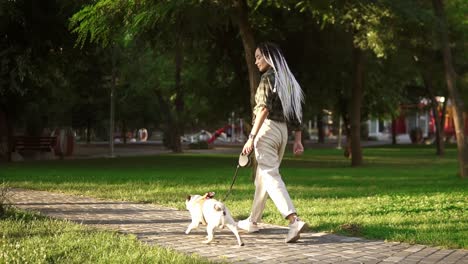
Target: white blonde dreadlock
(289,90)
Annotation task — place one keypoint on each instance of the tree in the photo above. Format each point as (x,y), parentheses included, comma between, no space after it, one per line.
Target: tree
(455,96)
(241,17)
(412,27)
(365,23)
(154,23)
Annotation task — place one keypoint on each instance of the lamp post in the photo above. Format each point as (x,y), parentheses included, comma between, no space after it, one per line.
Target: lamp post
(110,81)
(112,116)
(233,133)
(113,83)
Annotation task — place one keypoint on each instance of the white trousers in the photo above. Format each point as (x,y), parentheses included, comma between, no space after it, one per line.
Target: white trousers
(270,144)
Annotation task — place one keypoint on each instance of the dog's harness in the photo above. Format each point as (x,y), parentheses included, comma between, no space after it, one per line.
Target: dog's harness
(244,161)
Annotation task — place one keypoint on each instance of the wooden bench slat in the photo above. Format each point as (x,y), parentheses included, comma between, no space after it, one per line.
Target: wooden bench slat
(34,143)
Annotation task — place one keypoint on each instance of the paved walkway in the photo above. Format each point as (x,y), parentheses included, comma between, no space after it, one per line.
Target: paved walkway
(165,227)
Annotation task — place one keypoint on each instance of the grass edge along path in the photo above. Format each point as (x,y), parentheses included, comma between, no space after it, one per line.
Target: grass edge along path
(28,237)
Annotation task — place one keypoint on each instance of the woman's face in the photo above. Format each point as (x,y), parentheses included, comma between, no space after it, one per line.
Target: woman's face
(260,61)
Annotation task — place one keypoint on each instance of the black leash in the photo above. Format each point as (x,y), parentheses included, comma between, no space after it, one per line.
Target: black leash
(244,161)
(232,184)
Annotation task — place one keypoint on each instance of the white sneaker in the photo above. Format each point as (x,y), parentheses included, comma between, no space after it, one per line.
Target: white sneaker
(295,230)
(248,226)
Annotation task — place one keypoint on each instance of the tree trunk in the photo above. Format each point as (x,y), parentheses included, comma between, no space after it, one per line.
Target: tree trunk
(457,103)
(442,116)
(10,134)
(355,111)
(179,100)
(169,129)
(248,41)
(320,130)
(124,131)
(174,119)
(241,18)
(88,131)
(343,106)
(10,138)
(435,112)
(112,102)
(394,135)
(347,127)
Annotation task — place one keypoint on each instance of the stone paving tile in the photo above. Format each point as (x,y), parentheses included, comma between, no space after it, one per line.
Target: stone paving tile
(163,226)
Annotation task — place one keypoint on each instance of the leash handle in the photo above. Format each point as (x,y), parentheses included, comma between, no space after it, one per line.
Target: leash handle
(232,184)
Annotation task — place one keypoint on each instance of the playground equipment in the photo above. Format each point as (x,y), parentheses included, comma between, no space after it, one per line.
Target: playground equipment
(231,130)
(218,133)
(203,135)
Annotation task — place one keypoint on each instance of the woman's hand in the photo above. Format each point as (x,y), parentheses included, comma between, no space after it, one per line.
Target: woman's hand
(248,147)
(298,149)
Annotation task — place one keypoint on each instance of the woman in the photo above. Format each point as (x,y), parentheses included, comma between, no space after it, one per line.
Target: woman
(278,102)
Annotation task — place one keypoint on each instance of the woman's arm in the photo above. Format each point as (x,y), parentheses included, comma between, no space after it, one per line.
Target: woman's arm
(259,118)
(298,149)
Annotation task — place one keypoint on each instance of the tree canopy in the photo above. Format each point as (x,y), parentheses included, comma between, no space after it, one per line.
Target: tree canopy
(183,65)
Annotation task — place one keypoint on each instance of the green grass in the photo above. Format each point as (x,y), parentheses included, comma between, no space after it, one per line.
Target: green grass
(403,193)
(31,238)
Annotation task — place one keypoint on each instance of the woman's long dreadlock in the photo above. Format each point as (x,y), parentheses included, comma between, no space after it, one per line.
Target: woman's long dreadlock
(289,90)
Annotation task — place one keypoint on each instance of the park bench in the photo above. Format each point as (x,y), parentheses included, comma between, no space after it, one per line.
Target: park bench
(42,144)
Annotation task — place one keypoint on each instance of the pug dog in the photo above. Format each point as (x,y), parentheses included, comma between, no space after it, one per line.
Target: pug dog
(210,212)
